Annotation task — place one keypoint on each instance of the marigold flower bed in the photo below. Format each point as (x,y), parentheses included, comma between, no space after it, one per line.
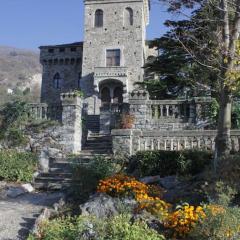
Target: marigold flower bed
(178,222)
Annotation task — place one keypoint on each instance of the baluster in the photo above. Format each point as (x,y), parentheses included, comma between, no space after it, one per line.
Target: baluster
(161,111)
(155,112)
(185,144)
(198,143)
(158,145)
(171,144)
(178,145)
(165,145)
(167,110)
(213,144)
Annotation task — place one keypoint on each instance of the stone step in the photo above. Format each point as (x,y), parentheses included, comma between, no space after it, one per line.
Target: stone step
(98,143)
(97,148)
(52,179)
(56,175)
(95,152)
(52,186)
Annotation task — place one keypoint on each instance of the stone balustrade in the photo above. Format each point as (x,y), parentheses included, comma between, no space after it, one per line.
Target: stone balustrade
(39,110)
(43,111)
(132,141)
(173,110)
(110,72)
(166,114)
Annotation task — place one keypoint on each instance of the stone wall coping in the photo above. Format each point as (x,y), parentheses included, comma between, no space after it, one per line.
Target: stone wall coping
(168,102)
(158,133)
(121,132)
(38,104)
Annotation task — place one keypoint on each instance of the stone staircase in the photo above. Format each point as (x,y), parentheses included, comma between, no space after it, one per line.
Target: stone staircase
(93,124)
(60,174)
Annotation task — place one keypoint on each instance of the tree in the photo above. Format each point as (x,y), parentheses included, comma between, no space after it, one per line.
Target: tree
(210,40)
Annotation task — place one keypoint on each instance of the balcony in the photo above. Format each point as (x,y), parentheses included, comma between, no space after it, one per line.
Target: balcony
(110,72)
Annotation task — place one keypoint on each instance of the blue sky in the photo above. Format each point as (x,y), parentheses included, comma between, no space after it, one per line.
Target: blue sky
(31,23)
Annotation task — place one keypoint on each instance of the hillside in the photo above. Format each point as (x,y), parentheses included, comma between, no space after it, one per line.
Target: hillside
(19,70)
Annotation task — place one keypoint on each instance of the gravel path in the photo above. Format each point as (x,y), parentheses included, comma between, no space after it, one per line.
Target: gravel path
(17,216)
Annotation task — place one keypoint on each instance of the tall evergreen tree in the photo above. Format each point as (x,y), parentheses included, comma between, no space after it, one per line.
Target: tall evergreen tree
(209,42)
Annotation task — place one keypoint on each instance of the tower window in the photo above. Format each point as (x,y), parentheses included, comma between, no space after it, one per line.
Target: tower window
(99,18)
(51,50)
(113,57)
(128,17)
(57,81)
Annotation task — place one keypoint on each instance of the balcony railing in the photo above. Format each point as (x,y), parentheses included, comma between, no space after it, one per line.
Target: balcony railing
(100,72)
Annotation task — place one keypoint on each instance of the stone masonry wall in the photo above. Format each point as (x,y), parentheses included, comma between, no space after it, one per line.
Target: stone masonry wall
(113,35)
(65,60)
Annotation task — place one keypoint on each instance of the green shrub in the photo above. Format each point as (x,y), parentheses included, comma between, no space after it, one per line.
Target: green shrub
(87,175)
(15,166)
(14,117)
(37,126)
(165,163)
(114,228)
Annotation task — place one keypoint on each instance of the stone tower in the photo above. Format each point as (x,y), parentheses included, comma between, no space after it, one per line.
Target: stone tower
(114,50)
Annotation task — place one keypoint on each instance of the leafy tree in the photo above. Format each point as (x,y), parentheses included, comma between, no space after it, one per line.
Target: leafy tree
(209,45)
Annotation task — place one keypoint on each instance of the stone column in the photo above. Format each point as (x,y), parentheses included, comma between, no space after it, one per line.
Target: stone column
(72,122)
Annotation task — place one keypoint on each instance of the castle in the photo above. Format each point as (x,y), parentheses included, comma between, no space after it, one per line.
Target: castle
(106,67)
(108,63)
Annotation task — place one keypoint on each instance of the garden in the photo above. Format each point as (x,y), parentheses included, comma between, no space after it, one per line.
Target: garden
(127,199)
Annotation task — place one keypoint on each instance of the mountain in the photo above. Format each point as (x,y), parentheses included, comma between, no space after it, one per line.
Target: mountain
(19,70)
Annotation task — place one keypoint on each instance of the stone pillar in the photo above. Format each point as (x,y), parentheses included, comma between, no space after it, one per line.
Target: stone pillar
(72,122)
(139,108)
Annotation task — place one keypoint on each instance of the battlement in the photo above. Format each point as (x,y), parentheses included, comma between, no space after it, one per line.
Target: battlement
(65,54)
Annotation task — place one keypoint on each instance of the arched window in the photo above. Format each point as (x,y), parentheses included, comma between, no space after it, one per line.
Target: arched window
(57,81)
(99,18)
(118,95)
(128,17)
(105,96)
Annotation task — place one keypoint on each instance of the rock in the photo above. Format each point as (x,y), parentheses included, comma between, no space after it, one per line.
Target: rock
(14,192)
(2,185)
(44,161)
(54,153)
(45,215)
(102,205)
(28,187)
(151,179)
(36,174)
(169,182)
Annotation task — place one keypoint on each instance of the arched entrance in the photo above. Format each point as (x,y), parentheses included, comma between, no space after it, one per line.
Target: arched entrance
(111,92)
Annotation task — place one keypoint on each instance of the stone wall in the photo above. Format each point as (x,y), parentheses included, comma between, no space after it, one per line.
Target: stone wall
(131,141)
(63,59)
(68,130)
(114,34)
